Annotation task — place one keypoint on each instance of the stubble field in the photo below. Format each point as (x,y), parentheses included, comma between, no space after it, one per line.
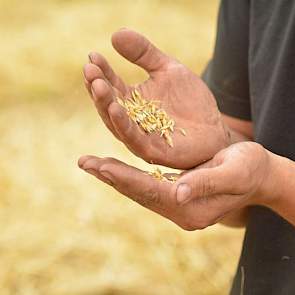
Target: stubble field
(62,232)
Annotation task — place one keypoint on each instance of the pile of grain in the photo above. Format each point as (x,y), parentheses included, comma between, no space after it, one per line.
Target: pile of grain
(157,174)
(149,116)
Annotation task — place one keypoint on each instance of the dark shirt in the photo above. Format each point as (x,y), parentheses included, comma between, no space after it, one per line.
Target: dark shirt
(252,75)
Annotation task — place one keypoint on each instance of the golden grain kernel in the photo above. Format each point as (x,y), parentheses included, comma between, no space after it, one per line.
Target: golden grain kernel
(169,140)
(149,116)
(172,178)
(182,131)
(158,175)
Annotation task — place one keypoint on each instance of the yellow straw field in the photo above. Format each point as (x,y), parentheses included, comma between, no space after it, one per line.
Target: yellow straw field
(61,231)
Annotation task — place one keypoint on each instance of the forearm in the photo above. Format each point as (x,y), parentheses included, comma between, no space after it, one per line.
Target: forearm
(279,189)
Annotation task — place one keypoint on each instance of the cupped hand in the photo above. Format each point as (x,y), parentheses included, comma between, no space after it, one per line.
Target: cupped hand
(181,93)
(236,177)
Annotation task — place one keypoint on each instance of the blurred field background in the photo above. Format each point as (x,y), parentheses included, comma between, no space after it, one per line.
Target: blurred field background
(62,232)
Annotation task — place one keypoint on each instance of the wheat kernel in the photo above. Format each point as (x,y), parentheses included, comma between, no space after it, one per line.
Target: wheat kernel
(149,116)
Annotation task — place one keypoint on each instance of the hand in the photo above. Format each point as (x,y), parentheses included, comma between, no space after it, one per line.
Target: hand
(236,177)
(182,94)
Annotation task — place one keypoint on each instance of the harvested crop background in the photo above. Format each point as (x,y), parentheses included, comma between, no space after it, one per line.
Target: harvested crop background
(62,232)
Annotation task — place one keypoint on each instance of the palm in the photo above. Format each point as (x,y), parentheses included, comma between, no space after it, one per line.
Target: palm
(185,98)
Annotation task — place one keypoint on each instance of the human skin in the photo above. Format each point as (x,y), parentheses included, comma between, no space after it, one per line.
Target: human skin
(239,176)
(182,94)
(219,190)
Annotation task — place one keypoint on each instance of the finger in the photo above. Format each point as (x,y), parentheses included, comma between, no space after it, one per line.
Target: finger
(139,50)
(88,169)
(201,183)
(101,91)
(98,60)
(88,87)
(103,96)
(128,180)
(129,132)
(91,72)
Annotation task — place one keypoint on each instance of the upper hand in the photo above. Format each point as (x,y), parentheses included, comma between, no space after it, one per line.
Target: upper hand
(183,96)
(236,177)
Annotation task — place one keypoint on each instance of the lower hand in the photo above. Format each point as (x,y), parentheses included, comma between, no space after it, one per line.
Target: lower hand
(237,176)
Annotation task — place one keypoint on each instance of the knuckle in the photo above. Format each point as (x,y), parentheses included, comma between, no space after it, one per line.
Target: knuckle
(202,224)
(191,224)
(146,51)
(101,87)
(205,186)
(110,160)
(187,226)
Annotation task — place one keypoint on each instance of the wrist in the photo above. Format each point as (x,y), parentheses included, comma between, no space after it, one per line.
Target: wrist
(272,190)
(235,136)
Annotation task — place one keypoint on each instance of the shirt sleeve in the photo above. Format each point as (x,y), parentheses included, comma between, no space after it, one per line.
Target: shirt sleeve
(227,73)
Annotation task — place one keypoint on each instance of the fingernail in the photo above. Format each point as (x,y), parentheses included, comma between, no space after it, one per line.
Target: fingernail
(90,58)
(108,176)
(183,192)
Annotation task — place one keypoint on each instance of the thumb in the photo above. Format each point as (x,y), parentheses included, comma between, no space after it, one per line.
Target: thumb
(201,183)
(139,50)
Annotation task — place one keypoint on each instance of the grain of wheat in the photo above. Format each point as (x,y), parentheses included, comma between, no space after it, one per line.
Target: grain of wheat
(158,175)
(149,116)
